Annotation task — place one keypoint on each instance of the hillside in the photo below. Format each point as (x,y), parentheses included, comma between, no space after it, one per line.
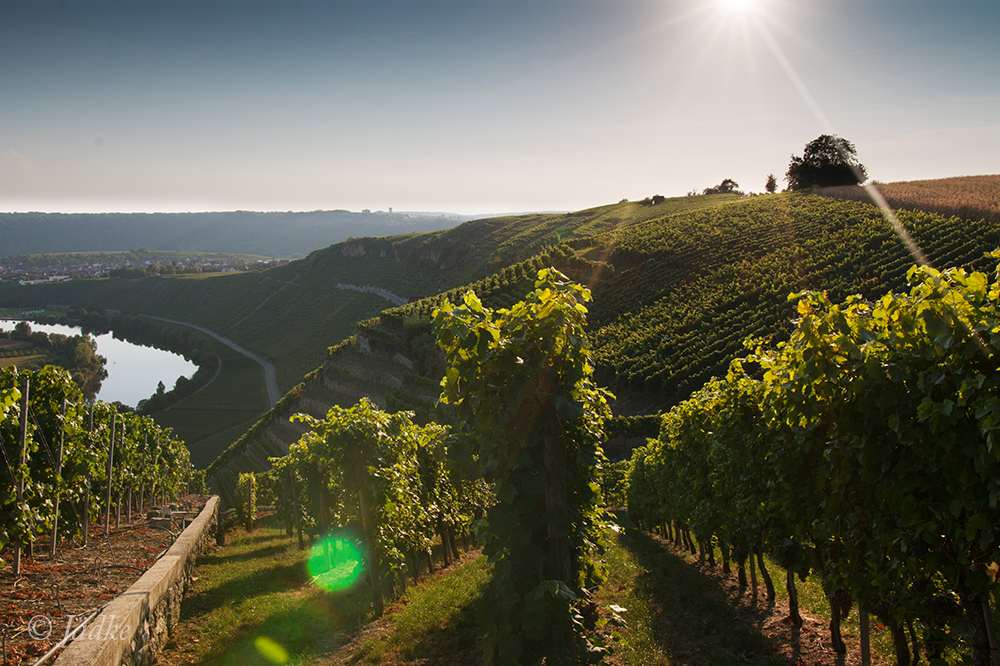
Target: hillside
(674,299)
(274,234)
(677,289)
(291,314)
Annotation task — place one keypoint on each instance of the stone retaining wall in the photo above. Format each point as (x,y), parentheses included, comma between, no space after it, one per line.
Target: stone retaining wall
(134,627)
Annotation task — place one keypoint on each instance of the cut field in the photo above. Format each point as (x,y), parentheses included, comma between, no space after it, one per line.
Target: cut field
(28,361)
(967,197)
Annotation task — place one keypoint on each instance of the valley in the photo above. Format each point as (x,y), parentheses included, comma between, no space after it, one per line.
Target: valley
(680,288)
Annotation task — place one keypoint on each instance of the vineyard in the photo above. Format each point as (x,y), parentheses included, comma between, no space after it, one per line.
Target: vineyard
(375,489)
(686,294)
(66,462)
(73,472)
(675,297)
(861,451)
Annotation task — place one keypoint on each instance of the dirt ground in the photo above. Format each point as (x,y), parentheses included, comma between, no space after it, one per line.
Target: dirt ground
(808,645)
(53,595)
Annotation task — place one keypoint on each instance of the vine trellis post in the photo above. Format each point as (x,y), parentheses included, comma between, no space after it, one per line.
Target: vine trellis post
(22,463)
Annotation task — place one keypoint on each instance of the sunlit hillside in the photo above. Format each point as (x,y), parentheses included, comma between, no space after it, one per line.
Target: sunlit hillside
(674,300)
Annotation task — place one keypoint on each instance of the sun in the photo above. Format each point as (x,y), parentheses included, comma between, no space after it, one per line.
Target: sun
(738,5)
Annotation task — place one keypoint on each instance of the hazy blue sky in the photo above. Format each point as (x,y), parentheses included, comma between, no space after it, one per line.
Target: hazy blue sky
(466,106)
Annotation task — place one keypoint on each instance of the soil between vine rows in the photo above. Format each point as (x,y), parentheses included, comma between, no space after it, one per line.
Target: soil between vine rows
(87,577)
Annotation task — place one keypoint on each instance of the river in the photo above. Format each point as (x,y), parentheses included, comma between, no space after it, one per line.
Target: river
(133,370)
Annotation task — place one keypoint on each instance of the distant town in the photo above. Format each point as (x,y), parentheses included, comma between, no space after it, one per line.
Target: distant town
(39,269)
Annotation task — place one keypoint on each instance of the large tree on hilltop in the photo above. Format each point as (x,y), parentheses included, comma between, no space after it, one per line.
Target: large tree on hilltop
(828,161)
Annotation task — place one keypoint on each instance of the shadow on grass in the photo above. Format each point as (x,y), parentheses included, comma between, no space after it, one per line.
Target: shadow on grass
(435,624)
(266,551)
(690,615)
(454,643)
(277,578)
(318,626)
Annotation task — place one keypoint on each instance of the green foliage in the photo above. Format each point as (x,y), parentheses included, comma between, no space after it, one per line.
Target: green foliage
(865,451)
(827,161)
(614,483)
(145,455)
(771,186)
(246,499)
(689,290)
(363,466)
(645,425)
(520,380)
(76,353)
(196,484)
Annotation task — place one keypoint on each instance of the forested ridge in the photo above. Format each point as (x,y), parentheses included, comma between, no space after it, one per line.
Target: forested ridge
(272,234)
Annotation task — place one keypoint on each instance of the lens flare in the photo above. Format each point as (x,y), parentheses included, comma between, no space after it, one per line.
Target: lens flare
(335,563)
(271,650)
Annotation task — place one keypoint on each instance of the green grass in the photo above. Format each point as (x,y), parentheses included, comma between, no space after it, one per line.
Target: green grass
(674,613)
(237,396)
(435,621)
(813,600)
(692,591)
(255,597)
(258,587)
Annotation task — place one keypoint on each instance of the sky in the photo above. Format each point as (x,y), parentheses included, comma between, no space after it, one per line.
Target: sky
(469,106)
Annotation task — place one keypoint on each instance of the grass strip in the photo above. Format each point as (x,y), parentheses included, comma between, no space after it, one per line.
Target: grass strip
(253,603)
(433,623)
(674,614)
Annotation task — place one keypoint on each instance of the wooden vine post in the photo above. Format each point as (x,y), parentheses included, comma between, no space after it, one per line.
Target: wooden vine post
(22,468)
(110,472)
(142,474)
(556,504)
(878,426)
(55,500)
(86,491)
(367,525)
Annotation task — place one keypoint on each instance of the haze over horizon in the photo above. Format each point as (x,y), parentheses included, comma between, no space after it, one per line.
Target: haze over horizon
(472,108)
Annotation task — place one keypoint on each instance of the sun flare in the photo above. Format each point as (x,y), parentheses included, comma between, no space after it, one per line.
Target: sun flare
(738,5)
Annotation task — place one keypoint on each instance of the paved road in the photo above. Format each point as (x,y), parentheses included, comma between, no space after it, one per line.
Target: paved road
(270,377)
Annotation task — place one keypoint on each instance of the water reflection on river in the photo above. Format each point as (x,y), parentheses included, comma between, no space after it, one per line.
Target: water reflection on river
(133,371)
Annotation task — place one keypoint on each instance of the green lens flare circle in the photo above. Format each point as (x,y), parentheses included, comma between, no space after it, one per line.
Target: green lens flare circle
(271,650)
(335,563)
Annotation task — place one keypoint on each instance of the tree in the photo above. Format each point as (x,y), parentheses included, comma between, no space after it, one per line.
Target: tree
(772,184)
(828,161)
(727,186)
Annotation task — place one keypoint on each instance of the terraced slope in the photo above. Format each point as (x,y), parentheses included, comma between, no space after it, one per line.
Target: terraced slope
(674,299)
(687,295)
(292,313)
